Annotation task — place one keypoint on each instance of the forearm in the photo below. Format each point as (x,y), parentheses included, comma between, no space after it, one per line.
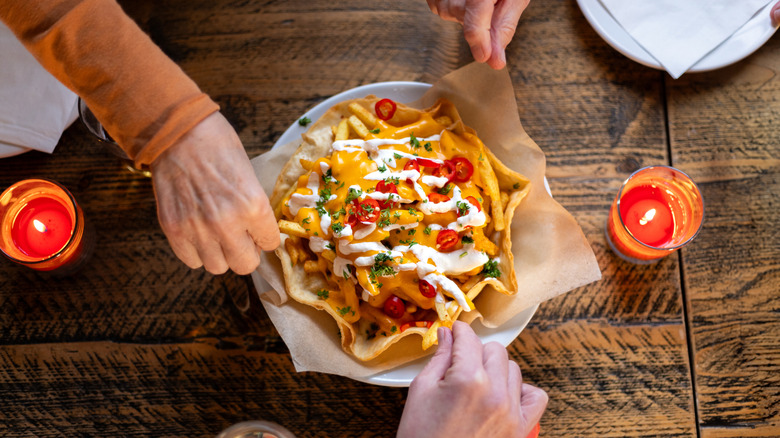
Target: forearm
(144,100)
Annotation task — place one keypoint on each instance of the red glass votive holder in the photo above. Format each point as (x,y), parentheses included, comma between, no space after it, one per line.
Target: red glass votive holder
(657,211)
(42,227)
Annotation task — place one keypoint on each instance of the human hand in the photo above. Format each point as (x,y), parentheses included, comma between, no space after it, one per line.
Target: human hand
(775,13)
(470,389)
(210,203)
(488,25)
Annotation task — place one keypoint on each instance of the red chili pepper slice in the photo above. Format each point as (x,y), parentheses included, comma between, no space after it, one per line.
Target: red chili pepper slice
(447,170)
(394,307)
(411,165)
(424,162)
(350,214)
(426,289)
(463,169)
(447,239)
(385,109)
(386,187)
(438,197)
(473,201)
(368,210)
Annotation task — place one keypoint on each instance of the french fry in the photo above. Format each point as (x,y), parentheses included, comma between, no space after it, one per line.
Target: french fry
(306,164)
(357,126)
(292,250)
(491,190)
(350,299)
(311,267)
(482,243)
(363,114)
(341,131)
(292,229)
(504,200)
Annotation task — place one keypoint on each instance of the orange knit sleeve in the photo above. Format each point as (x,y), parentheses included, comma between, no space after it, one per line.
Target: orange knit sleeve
(142,98)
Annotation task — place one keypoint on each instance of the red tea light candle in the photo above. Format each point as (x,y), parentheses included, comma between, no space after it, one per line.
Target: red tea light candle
(42,227)
(657,211)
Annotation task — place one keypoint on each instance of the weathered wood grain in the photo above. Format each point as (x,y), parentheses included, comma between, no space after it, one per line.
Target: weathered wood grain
(137,344)
(723,129)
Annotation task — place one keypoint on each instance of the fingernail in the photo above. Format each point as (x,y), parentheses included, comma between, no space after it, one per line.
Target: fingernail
(776,15)
(479,53)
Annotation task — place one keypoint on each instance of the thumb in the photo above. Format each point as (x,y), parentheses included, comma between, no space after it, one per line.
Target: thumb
(441,360)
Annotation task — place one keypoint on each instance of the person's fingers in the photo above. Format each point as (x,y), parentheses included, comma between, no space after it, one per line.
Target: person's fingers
(240,252)
(185,251)
(514,383)
(533,402)
(466,351)
(262,224)
(442,358)
(476,27)
(210,251)
(502,29)
(496,362)
(433,5)
(775,13)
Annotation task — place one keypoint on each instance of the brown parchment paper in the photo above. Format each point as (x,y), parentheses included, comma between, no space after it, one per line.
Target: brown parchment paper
(551,253)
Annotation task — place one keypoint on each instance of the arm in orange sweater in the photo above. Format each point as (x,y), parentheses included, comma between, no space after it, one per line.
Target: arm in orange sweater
(143,99)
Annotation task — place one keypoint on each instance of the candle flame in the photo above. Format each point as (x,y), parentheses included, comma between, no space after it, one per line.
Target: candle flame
(39,226)
(649,215)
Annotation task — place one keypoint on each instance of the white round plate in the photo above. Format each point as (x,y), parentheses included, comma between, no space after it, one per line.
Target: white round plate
(745,41)
(403,92)
(7,150)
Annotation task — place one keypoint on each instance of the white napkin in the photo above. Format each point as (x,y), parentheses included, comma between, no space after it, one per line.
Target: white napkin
(678,33)
(35,108)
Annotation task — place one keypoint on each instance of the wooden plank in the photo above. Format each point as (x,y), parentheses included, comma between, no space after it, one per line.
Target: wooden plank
(609,380)
(196,389)
(723,128)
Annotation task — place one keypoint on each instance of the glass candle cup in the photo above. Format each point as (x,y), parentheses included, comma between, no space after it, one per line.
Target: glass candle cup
(657,211)
(255,429)
(42,227)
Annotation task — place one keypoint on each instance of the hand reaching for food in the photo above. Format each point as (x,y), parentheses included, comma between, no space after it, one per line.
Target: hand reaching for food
(488,25)
(210,203)
(470,389)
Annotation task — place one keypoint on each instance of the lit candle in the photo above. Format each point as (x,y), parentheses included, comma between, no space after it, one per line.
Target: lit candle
(42,226)
(657,211)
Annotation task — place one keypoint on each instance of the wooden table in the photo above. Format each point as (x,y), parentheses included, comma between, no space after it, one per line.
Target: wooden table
(137,344)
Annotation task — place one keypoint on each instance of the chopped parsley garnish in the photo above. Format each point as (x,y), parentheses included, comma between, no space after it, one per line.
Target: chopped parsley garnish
(464,254)
(344,310)
(382,169)
(331,246)
(412,231)
(374,131)
(327,177)
(337,227)
(410,242)
(413,141)
(412,211)
(516,186)
(303,121)
(306,220)
(463,208)
(336,214)
(428,147)
(353,194)
(323,294)
(446,189)
(427,231)
(324,197)
(380,269)
(397,156)
(467,239)
(490,269)
(384,218)
(392,180)
(393,329)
